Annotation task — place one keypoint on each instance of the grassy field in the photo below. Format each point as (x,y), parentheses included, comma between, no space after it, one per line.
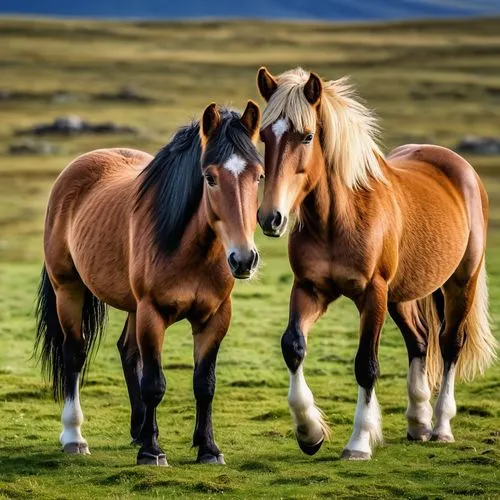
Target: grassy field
(429,82)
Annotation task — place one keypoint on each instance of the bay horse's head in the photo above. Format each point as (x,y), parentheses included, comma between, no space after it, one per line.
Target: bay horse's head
(232,170)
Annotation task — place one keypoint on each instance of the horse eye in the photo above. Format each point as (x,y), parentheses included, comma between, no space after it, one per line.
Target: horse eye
(307,139)
(210,180)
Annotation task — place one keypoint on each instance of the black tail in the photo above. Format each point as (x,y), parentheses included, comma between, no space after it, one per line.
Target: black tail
(50,337)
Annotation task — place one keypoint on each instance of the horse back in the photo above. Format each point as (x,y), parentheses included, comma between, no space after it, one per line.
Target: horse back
(456,168)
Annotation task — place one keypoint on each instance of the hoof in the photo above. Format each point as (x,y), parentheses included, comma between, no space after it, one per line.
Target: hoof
(421,437)
(355,455)
(145,458)
(76,449)
(208,458)
(310,449)
(443,438)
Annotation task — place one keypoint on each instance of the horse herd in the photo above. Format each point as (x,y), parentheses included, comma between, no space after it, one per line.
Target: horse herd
(163,239)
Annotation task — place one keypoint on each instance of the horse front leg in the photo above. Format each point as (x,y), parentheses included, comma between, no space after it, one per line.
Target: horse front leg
(129,354)
(207,338)
(367,432)
(306,306)
(150,333)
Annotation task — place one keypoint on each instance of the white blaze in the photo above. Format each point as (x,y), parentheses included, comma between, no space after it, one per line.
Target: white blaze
(279,127)
(235,165)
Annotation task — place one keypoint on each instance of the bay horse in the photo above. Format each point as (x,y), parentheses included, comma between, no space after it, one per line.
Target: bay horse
(404,234)
(163,239)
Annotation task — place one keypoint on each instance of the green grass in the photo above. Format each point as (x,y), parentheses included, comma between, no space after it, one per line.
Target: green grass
(429,81)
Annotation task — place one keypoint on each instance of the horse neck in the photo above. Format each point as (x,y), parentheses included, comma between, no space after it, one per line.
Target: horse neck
(331,205)
(199,240)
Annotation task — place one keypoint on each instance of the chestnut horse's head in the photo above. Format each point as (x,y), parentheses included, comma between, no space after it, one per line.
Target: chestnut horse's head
(232,171)
(308,126)
(293,150)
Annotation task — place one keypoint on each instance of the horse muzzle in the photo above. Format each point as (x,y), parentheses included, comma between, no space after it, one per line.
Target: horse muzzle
(273,224)
(243,262)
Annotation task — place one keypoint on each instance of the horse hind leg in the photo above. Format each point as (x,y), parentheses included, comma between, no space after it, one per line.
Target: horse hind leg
(466,343)
(415,333)
(70,298)
(129,354)
(459,297)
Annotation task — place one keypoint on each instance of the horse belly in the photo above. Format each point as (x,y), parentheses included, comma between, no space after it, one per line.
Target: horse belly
(99,248)
(429,255)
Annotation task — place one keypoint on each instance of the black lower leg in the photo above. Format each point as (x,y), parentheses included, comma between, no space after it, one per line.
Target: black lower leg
(204,390)
(414,332)
(366,367)
(451,343)
(293,346)
(130,358)
(153,386)
(73,358)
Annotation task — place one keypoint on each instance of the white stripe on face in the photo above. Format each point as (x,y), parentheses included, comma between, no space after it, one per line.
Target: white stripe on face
(235,165)
(279,127)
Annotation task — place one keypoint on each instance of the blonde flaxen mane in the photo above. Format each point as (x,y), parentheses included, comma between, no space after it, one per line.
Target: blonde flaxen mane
(349,129)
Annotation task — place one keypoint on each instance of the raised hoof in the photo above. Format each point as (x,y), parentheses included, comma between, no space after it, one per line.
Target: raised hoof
(145,458)
(76,449)
(443,438)
(421,438)
(208,458)
(355,455)
(310,449)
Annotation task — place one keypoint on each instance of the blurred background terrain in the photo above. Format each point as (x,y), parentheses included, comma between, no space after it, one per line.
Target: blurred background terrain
(69,86)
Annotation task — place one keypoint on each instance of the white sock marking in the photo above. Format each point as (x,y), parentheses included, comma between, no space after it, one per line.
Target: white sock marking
(419,412)
(279,127)
(72,419)
(446,407)
(367,424)
(235,165)
(304,412)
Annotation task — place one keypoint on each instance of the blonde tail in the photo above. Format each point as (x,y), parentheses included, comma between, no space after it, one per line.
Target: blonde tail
(478,352)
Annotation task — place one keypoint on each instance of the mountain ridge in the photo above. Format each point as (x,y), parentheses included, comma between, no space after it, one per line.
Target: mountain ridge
(328,10)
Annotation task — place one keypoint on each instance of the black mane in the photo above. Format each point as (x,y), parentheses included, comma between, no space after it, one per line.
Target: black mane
(175,175)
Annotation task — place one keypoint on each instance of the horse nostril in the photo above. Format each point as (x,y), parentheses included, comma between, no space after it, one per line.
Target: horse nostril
(277,219)
(255,258)
(233,263)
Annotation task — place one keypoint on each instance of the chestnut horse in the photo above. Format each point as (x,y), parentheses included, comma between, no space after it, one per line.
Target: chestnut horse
(404,234)
(162,238)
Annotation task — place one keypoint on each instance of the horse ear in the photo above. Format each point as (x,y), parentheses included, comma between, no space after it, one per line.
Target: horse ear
(251,120)
(313,88)
(210,122)
(266,83)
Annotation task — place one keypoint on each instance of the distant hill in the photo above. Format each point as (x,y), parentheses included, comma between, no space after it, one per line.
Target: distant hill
(342,10)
